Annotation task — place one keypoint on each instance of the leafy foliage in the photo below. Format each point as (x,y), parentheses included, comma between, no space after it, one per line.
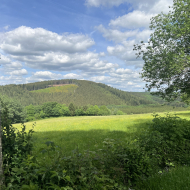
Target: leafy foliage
(118,165)
(16,112)
(166,57)
(15,146)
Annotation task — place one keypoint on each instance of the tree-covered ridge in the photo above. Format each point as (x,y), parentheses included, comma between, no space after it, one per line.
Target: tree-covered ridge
(87,92)
(58,88)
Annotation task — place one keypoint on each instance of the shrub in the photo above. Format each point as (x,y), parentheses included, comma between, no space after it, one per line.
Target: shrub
(64,111)
(167,140)
(15,146)
(104,110)
(42,114)
(119,112)
(37,116)
(30,118)
(79,112)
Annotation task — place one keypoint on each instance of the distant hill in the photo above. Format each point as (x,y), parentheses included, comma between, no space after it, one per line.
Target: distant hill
(79,92)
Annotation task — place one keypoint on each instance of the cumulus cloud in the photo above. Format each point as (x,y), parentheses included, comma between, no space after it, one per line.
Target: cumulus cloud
(43,75)
(126,79)
(66,62)
(12,79)
(19,72)
(141,17)
(101,54)
(72,76)
(125,41)
(159,6)
(133,20)
(124,49)
(28,41)
(121,37)
(10,67)
(5,60)
(125,52)
(116,35)
(45,50)
(47,75)
(155,6)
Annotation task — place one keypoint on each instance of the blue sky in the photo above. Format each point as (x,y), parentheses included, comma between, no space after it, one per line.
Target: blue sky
(79,39)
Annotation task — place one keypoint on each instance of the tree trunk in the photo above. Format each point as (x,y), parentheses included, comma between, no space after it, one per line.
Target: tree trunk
(1,155)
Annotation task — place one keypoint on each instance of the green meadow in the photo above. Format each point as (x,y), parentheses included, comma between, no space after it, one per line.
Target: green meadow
(89,132)
(88,159)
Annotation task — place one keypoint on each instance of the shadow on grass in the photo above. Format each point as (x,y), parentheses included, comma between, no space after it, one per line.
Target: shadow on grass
(87,140)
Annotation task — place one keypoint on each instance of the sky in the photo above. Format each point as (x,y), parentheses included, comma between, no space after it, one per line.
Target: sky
(76,39)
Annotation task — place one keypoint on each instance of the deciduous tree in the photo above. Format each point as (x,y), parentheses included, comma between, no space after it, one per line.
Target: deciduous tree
(167,54)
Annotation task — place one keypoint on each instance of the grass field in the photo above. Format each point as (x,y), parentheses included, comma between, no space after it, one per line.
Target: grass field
(88,132)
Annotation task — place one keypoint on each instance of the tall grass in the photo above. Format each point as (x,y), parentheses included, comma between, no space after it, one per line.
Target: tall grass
(88,132)
(120,167)
(176,179)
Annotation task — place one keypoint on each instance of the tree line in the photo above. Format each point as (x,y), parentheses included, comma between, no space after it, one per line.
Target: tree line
(54,109)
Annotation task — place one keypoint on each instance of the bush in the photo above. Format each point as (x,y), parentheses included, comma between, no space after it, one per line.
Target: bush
(30,118)
(42,114)
(104,110)
(119,112)
(37,116)
(16,111)
(167,140)
(79,112)
(64,111)
(132,165)
(15,146)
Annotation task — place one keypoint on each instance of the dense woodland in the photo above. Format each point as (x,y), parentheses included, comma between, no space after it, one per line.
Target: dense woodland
(79,92)
(71,97)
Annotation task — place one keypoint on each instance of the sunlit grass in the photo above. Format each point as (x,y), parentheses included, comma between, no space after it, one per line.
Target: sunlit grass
(88,132)
(64,88)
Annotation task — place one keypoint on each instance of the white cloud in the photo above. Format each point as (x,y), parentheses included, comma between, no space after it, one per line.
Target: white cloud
(27,41)
(153,6)
(116,35)
(110,3)
(10,67)
(45,50)
(123,71)
(47,75)
(12,79)
(160,6)
(6,27)
(66,62)
(126,79)
(102,54)
(19,72)
(43,75)
(5,60)
(133,20)
(125,53)
(72,76)
(121,37)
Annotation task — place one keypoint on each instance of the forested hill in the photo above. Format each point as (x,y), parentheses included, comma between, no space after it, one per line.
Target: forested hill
(79,92)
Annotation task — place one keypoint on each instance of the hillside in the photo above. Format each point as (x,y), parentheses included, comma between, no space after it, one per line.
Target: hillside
(79,92)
